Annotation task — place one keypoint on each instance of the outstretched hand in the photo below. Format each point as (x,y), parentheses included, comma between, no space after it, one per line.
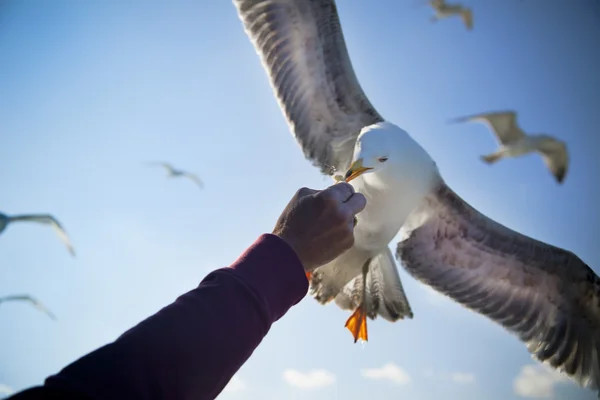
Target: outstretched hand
(319,224)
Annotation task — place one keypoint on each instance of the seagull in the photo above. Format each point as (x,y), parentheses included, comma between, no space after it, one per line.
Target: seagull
(546,295)
(514,142)
(31,300)
(445,10)
(5,220)
(174,173)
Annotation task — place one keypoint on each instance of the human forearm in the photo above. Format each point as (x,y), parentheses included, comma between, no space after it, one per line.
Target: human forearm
(191,348)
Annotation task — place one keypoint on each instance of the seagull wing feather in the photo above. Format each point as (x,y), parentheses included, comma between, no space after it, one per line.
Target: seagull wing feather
(302,48)
(48,220)
(31,300)
(195,179)
(556,157)
(165,165)
(546,295)
(503,125)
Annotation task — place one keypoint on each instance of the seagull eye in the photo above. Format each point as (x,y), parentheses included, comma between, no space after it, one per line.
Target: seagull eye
(383,159)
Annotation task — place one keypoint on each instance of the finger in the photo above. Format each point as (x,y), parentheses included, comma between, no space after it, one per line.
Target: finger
(340,191)
(306,192)
(356,203)
(352,224)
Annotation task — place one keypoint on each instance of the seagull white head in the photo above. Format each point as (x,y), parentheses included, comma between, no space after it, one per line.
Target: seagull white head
(386,155)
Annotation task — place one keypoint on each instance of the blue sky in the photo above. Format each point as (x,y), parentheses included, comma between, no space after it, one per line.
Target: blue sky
(89,91)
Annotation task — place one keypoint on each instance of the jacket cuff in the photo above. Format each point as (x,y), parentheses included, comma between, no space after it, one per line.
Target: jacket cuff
(274,270)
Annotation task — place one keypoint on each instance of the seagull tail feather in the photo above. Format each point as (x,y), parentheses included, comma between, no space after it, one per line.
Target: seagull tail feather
(491,158)
(384,292)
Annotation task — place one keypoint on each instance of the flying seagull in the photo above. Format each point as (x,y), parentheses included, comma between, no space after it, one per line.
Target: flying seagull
(5,220)
(31,300)
(544,294)
(175,173)
(445,10)
(514,142)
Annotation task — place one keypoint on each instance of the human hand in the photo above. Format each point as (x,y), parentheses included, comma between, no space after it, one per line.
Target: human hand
(319,225)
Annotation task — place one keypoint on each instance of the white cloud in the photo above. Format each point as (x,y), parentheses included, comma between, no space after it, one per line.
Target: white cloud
(4,389)
(462,377)
(314,379)
(389,371)
(537,381)
(236,384)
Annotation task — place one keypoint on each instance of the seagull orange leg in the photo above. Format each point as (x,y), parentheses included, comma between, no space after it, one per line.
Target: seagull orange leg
(357,324)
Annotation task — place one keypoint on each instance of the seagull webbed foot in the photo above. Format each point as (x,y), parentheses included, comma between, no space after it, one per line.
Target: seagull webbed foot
(357,324)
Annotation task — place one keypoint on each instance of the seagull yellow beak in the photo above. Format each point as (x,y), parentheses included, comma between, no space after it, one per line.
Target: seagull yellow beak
(356,170)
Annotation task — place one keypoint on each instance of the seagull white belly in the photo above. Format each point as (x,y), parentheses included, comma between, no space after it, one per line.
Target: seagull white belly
(382,218)
(521,147)
(378,223)
(385,213)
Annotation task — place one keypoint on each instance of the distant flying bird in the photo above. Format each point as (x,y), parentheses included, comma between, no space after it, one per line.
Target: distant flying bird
(175,173)
(5,220)
(31,300)
(546,295)
(514,142)
(445,10)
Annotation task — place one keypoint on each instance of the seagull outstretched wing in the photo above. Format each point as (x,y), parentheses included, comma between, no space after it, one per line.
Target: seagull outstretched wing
(49,220)
(31,300)
(503,124)
(165,165)
(195,179)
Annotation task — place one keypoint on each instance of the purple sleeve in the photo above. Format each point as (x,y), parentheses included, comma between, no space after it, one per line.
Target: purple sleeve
(191,348)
